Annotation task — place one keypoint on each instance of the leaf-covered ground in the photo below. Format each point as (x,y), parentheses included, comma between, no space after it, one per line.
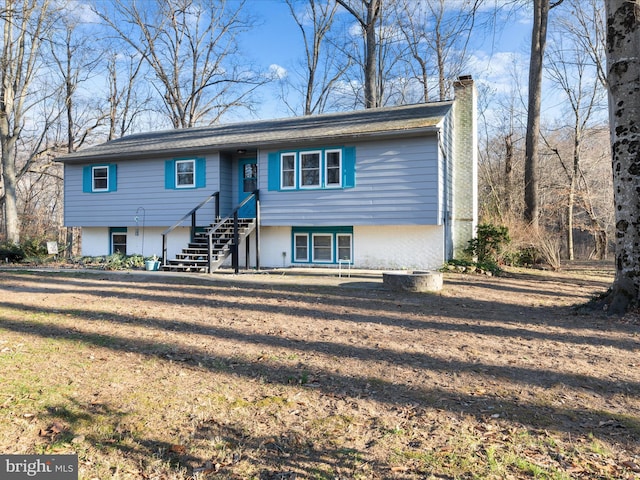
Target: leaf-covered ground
(301,374)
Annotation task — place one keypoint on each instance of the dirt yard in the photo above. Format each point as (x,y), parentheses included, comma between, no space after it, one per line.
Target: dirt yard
(300,374)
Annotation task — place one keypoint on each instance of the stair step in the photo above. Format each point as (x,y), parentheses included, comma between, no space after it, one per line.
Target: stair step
(193,258)
(184,268)
(186,257)
(187,262)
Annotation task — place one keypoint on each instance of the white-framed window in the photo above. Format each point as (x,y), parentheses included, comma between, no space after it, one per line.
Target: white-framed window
(301,247)
(185,173)
(322,247)
(119,240)
(321,168)
(287,171)
(343,242)
(322,244)
(100,179)
(333,168)
(309,169)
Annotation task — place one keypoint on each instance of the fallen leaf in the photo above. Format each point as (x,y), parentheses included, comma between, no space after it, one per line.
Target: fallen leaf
(179,449)
(399,469)
(631,466)
(57,427)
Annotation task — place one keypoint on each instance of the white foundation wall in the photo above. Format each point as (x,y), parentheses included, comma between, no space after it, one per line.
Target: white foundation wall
(374,247)
(379,248)
(274,241)
(96,241)
(399,247)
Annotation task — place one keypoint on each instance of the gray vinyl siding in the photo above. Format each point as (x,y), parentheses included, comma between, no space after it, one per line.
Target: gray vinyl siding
(397,183)
(227,198)
(140,185)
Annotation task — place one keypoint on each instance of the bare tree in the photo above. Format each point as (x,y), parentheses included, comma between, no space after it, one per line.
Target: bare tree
(437,37)
(502,151)
(574,73)
(368,15)
(191,49)
(586,25)
(322,68)
(24,24)
(597,191)
(623,65)
(538,43)
(76,61)
(127,101)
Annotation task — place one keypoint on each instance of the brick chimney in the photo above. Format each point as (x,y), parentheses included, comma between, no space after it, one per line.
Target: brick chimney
(464,213)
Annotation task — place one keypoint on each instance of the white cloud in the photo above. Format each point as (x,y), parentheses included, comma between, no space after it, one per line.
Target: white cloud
(80,11)
(499,70)
(277,71)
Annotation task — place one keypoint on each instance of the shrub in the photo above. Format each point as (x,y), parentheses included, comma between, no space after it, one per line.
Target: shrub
(489,244)
(115,261)
(34,247)
(135,261)
(10,252)
(484,253)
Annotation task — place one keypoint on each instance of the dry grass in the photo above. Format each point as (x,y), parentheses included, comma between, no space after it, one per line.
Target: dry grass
(306,376)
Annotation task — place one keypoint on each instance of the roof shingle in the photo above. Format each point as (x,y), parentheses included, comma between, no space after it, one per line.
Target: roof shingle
(371,122)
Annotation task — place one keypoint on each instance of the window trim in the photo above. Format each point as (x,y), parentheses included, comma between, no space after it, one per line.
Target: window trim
(295,247)
(332,238)
(346,175)
(282,170)
(192,161)
(199,173)
(93,178)
(118,231)
(326,168)
(88,178)
(301,170)
(350,236)
(309,233)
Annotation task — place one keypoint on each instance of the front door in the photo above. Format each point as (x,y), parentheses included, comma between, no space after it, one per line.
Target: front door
(248,181)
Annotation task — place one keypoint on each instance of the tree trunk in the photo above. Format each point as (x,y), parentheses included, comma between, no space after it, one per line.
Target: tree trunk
(571,202)
(600,250)
(538,42)
(573,185)
(508,172)
(368,23)
(623,65)
(371,99)
(12,226)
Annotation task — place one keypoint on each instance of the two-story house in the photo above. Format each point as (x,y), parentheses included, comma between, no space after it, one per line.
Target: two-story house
(382,188)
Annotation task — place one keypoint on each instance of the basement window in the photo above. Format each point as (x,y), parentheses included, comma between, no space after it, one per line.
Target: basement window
(322,245)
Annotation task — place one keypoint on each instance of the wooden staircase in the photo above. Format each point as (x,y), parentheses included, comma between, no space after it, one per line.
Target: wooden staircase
(194,258)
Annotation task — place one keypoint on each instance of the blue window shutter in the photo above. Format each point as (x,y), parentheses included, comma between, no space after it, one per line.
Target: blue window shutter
(169,175)
(274,171)
(349,167)
(201,173)
(113,178)
(86,179)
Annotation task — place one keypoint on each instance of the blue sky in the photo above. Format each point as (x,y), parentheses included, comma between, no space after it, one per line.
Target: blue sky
(276,40)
